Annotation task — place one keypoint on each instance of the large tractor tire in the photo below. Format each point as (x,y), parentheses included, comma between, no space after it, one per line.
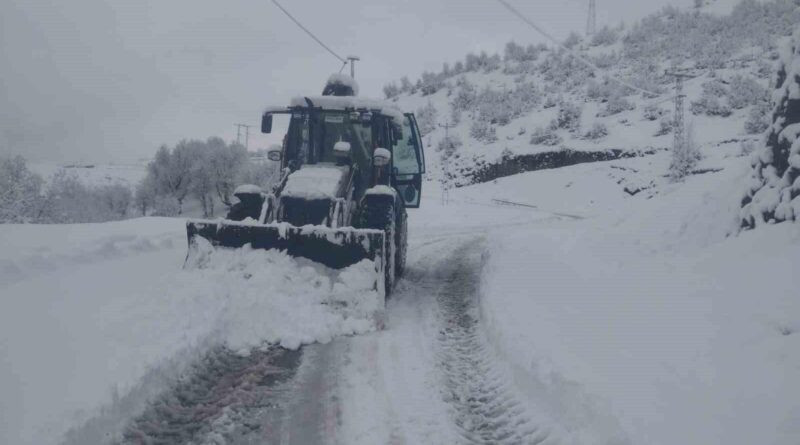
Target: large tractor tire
(401,242)
(379,213)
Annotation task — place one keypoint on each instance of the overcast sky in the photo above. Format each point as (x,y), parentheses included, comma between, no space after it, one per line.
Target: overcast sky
(98,81)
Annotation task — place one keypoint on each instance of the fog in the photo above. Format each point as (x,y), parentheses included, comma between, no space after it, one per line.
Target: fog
(99,81)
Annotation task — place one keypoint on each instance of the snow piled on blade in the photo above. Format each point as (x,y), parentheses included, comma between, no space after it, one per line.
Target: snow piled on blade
(315,182)
(267,296)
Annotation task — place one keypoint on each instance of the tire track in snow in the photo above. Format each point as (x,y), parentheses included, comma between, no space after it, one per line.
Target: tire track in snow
(486,410)
(224,399)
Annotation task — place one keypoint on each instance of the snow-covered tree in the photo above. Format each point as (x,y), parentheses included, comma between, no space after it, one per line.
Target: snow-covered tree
(430,83)
(68,200)
(773,194)
(227,162)
(20,191)
(391,90)
(406,86)
(745,91)
(115,200)
(757,119)
(144,198)
(172,172)
(465,97)
(203,176)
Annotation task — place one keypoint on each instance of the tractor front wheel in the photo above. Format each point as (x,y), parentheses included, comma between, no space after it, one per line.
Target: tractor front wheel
(380,214)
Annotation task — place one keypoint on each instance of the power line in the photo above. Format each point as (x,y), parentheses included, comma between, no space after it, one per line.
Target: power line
(310,34)
(574,54)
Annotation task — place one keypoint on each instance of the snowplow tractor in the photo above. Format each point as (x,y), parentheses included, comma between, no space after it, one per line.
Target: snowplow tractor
(349,169)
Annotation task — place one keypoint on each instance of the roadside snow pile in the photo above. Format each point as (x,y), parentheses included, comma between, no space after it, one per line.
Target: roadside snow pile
(267,296)
(82,330)
(646,315)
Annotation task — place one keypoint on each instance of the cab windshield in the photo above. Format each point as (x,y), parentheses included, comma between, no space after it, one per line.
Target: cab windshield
(313,134)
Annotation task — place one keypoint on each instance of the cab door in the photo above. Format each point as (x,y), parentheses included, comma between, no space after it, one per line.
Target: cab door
(408,161)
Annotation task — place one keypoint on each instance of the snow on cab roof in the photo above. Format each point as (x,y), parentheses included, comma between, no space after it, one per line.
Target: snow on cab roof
(349,103)
(343,79)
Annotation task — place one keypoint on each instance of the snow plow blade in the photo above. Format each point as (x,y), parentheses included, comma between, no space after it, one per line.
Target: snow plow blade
(335,248)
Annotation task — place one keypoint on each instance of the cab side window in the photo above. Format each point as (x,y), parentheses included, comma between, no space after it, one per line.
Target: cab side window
(406,158)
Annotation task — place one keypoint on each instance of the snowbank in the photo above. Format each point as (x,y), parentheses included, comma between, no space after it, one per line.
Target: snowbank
(645,318)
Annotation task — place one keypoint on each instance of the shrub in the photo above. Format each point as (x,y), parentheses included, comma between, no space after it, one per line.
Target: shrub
(448,146)
(572,40)
(617,104)
(545,136)
(710,102)
(465,97)
(757,120)
(652,112)
(665,126)
(598,131)
(569,116)
(605,36)
(745,91)
(482,131)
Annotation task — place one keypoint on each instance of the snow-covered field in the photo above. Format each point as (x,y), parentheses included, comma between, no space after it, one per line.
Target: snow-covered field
(99,174)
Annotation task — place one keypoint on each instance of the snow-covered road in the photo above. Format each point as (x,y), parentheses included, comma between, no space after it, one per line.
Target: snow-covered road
(428,377)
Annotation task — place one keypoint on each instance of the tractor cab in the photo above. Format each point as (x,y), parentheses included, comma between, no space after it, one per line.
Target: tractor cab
(346,131)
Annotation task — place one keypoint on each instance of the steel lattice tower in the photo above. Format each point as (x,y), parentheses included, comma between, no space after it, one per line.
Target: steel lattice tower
(679,123)
(591,22)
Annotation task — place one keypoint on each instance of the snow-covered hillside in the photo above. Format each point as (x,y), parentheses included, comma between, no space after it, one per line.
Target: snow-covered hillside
(537,98)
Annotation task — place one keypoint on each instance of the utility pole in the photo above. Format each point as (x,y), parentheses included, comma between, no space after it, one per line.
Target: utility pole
(591,22)
(353,60)
(447,126)
(445,188)
(246,134)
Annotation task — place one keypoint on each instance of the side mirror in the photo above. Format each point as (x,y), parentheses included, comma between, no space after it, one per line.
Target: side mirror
(381,157)
(341,149)
(266,123)
(274,153)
